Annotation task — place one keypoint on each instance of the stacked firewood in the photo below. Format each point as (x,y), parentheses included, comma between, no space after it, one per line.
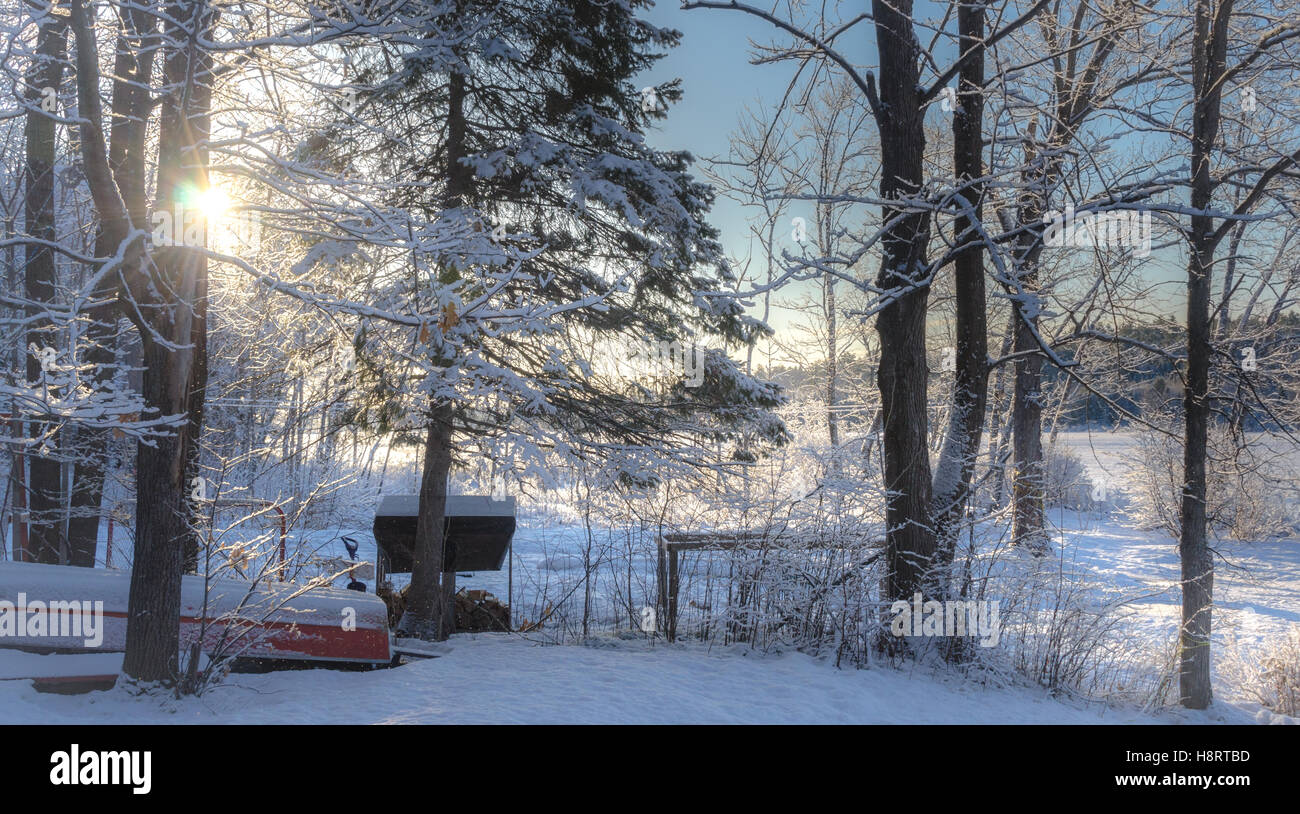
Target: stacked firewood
(476,611)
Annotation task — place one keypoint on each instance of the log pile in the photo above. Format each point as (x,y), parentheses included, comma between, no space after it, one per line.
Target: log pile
(481,612)
(476,611)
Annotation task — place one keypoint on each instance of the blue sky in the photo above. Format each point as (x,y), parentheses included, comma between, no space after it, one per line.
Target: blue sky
(713,62)
(718,83)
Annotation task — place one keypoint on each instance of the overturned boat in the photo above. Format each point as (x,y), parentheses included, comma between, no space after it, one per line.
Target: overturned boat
(67,624)
(65,610)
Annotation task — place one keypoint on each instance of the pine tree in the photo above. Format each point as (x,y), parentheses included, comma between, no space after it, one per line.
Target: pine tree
(552,231)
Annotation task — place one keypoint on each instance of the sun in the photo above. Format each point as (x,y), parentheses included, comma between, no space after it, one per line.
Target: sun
(213,203)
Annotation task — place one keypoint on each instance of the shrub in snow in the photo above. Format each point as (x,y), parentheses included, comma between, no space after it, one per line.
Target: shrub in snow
(1250,489)
(1066,629)
(1269,675)
(1279,686)
(807,577)
(1066,483)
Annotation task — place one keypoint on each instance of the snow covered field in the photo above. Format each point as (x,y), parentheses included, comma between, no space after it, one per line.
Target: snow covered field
(496,678)
(1256,584)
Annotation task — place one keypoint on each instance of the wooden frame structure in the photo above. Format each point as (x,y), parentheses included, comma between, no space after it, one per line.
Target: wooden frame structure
(668,583)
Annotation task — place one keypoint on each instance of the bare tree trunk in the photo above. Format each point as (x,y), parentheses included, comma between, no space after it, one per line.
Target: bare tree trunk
(900,325)
(163,510)
(427,613)
(1027,483)
(132,70)
(1076,93)
(47,543)
(832,373)
(1208,59)
(425,616)
(162,526)
(1000,431)
(1027,427)
(198,385)
(165,294)
(17,486)
(970,393)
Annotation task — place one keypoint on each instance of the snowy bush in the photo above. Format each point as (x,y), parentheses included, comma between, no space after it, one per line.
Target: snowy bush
(1068,630)
(812,589)
(1279,677)
(1066,484)
(805,576)
(1251,492)
(1270,675)
(1154,483)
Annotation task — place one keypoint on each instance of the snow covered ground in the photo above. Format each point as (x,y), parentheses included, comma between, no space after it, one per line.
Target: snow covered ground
(1256,584)
(499,678)
(496,678)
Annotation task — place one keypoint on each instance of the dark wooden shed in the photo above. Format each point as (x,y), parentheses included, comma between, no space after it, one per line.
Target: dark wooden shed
(478,533)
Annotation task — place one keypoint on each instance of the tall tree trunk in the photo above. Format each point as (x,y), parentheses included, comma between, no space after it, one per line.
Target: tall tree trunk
(900,325)
(47,542)
(198,385)
(1000,432)
(1028,489)
(17,486)
(970,393)
(166,295)
(1208,59)
(132,70)
(427,615)
(162,523)
(1027,485)
(1076,91)
(832,356)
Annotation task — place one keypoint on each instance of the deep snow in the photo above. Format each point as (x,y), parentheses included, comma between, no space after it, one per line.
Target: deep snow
(498,678)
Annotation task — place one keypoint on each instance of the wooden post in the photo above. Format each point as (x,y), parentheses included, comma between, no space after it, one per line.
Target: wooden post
(449,618)
(673,588)
(20,501)
(661,583)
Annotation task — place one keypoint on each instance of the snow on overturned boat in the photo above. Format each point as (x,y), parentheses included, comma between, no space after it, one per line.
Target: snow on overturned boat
(64,609)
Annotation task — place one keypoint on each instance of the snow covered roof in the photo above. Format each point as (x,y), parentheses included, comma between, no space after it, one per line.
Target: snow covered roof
(457,506)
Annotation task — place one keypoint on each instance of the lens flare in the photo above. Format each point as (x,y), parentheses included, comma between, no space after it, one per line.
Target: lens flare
(213,203)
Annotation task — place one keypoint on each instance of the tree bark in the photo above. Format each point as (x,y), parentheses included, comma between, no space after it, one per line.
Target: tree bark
(1076,97)
(46,542)
(1027,487)
(832,374)
(970,393)
(900,325)
(132,70)
(1000,431)
(1208,60)
(427,615)
(164,295)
